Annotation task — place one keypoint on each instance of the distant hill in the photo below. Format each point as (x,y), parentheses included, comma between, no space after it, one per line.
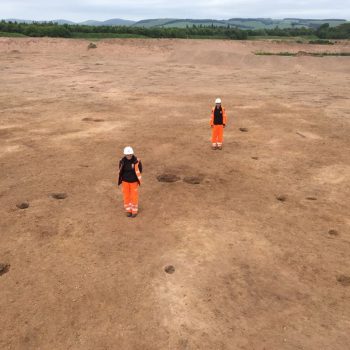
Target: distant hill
(241,23)
(59,21)
(91,23)
(109,22)
(178,23)
(157,22)
(17,20)
(62,21)
(118,22)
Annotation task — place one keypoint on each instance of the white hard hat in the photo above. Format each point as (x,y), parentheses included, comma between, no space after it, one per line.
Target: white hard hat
(218,100)
(128,151)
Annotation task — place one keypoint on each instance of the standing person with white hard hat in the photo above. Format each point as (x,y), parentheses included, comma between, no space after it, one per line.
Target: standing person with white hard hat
(218,121)
(130,169)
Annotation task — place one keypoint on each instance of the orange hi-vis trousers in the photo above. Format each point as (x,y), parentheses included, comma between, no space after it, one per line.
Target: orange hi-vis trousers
(217,135)
(131,196)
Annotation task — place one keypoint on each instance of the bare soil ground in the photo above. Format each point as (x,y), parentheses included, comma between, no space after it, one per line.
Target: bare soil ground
(254,256)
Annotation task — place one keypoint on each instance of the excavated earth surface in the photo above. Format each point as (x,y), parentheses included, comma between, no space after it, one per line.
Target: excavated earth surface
(252,253)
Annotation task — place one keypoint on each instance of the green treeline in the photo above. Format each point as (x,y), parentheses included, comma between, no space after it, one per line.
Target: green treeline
(323,32)
(70,31)
(340,32)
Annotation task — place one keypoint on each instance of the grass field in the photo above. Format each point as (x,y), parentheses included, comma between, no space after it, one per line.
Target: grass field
(302,53)
(12,35)
(97,36)
(105,36)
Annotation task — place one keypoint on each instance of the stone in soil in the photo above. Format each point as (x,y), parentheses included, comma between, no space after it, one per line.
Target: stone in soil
(22,205)
(344,280)
(169,269)
(333,232)
(59,195)
(4,268)
(281,198)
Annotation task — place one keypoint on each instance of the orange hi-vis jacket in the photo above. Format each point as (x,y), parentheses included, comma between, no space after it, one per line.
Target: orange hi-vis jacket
(138,173)
(223,117)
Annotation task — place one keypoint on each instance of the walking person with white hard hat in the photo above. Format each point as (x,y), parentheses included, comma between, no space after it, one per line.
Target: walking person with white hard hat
(218,121)
(130,169)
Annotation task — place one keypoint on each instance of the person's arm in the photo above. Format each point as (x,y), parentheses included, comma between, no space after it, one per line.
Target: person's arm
(119,173)
(224,115)
(212,118)
(140,166)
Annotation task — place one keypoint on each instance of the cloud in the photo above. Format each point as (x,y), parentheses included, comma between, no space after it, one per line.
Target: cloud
(80,10)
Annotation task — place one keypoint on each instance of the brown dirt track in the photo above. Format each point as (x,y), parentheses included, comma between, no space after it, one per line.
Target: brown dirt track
(251,271)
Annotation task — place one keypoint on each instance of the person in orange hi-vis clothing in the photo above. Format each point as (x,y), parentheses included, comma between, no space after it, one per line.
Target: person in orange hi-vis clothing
(130,169)
(218,121)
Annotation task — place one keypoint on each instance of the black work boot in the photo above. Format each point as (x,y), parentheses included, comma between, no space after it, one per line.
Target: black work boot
(128,214)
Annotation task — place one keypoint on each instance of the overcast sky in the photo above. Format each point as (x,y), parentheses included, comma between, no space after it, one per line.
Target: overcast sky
(81,10)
